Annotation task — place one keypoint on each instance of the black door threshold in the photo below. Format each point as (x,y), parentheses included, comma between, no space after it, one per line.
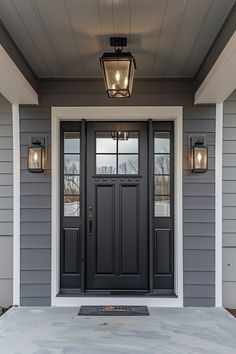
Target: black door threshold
(115,293)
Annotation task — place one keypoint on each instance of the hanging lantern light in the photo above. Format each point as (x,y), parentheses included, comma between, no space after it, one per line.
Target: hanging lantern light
(118,69)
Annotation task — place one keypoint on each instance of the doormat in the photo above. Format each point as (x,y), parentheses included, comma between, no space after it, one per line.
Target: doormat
(113,311)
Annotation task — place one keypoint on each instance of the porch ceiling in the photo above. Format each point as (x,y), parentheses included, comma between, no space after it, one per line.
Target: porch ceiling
(65,38)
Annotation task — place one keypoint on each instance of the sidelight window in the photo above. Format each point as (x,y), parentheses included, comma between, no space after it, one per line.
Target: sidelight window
(117,153)
(162,174)
(71,174)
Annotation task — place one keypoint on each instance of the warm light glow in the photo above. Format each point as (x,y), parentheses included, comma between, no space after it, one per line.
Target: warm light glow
(199,157)
(36,157)
(126,81)
(113,86)
(117,76)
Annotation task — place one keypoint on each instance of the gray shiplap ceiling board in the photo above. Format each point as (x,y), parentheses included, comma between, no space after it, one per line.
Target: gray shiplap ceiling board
(65,38)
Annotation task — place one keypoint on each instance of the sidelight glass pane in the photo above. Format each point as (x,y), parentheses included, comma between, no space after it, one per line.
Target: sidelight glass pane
(105,164)
(106,142)
(71,185)
(130,144)
(128,164)
(162,206)
(72,142)
(71,164)
(71,205)
(162,142)
(162,185)
(162,164)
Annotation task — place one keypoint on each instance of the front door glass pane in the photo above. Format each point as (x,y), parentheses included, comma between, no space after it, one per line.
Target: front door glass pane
(162,143)
(162,174)
(117,153)
(71,142)
(128,144)
(106,164)
(71,164)
(128,164)
(71,174)
(105,143)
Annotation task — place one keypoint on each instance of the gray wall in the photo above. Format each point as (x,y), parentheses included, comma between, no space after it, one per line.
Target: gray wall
(6,203)
(199,229)
(229,202)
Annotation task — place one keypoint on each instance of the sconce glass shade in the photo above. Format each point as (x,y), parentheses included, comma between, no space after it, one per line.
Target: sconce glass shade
(199,158)
(36,158)
(118,71)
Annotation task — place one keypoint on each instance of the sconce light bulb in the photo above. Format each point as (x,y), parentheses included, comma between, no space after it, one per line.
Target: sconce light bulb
(199,157)
(117,76)
(35,157)
(126,81)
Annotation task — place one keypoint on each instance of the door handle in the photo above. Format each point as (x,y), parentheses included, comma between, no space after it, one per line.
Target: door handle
(90,225)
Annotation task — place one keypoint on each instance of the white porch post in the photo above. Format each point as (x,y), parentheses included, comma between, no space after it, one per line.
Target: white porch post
(16,204)
(218,204)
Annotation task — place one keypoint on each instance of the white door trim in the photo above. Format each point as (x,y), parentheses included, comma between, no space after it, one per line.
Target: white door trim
(16,204)
(117,113)
(218,204)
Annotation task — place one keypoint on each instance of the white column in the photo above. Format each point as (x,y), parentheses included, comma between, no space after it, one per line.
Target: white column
(16,204)
(218,204)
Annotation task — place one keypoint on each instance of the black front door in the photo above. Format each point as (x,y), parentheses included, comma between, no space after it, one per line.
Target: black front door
(117,207)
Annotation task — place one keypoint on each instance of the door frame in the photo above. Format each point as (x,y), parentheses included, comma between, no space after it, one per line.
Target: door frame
(172,113)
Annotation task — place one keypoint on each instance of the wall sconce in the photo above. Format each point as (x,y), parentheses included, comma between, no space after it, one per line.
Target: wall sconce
(118,69)
(199,155)
(36,156)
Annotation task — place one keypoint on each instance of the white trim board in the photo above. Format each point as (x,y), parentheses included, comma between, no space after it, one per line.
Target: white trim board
(13,84)
(221,80)
(16,204)
(218,205)
(116,113)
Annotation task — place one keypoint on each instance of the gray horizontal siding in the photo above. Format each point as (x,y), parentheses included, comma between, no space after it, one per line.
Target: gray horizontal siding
(229,200)
(199,226)
(35,213)
(199,213)
(6,203)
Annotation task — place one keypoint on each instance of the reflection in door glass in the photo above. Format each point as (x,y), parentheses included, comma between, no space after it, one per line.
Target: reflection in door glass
(105,143)
(117,153)
(162,174)
(162,205)
(72,205)
(128,145)
(71,164)
(71,142)
(106,164)
(71,174)
(162,142)
(128,164)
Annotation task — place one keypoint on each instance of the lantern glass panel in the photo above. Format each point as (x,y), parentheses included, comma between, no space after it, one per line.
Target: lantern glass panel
(118,76)
(200,157)
(35,162)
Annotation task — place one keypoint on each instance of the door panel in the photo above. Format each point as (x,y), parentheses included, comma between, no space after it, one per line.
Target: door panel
(117,249)
(104,229)
(129,211)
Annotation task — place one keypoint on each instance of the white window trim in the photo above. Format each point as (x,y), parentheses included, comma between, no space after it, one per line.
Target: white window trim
(218,205)
(117,113)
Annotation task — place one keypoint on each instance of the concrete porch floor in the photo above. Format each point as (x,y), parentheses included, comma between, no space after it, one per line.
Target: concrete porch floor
(35,330)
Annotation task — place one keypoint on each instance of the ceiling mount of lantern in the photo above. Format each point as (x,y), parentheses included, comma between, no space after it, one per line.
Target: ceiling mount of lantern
(118,69)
